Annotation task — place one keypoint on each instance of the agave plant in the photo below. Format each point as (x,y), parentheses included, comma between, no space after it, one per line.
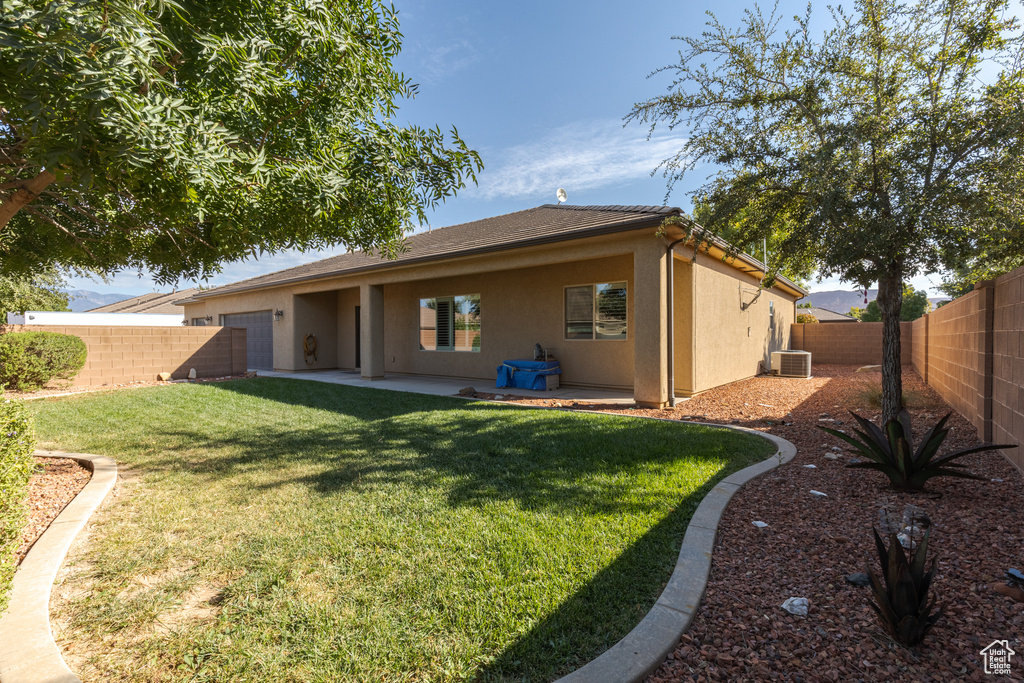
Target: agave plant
(902,602)
(892,451)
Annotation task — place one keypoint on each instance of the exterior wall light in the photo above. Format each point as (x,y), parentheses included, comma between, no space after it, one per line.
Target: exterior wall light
(208,319)
(278,314)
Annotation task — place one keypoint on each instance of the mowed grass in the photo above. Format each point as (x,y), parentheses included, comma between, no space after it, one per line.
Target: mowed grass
(354,534)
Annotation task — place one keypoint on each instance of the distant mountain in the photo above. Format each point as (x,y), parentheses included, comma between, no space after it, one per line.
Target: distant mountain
(841,301)
(83,299)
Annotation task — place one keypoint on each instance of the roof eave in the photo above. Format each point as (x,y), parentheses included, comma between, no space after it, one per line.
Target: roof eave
(538,241)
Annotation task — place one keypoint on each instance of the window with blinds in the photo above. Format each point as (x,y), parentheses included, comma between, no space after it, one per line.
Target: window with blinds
(596,311)
(450,323)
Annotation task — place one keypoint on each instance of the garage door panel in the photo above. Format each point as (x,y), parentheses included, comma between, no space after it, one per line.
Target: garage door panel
(259,337)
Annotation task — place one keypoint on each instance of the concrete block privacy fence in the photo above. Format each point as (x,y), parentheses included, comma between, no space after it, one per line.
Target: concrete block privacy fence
(117,355)
(970,351)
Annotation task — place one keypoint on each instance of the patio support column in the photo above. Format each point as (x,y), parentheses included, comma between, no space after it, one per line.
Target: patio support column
(371,331)
(650,324)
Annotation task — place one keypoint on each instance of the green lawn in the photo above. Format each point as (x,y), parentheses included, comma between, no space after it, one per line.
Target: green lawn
(358,534)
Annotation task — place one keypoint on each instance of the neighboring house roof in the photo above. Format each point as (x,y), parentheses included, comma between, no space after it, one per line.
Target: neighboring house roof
(157,302)
(826,316)
(542,225)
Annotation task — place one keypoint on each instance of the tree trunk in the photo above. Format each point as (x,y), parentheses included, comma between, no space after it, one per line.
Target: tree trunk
(25,194)
(890,303)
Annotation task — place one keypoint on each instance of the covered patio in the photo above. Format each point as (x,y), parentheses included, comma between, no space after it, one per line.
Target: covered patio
(450,386)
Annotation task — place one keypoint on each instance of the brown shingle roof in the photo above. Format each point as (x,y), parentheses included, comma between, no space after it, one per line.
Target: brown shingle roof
(544,224)
(157,302)
(824,315)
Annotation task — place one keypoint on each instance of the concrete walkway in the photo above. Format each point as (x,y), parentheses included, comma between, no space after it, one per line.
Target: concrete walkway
(448,386)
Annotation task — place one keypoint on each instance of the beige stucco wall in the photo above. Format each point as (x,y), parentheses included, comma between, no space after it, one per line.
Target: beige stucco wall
(518,308)
(732,343)
(348,299)
(683,346)
(249,302)
(317,315)
(522,294)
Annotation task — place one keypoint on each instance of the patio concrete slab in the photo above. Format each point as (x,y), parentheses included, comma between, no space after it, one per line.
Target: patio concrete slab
(449,386)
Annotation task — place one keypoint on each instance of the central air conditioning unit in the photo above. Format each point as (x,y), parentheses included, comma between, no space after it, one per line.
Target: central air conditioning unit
(791,363)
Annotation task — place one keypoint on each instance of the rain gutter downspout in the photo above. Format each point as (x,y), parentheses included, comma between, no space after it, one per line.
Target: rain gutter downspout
(672,324)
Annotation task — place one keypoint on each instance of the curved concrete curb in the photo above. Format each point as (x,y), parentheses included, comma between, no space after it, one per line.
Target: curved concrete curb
(645,648)
(27,650)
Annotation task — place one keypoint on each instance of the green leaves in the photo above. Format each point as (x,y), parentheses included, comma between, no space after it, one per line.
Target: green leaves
(901,603)
(873,150)
(184,134)
(892,451)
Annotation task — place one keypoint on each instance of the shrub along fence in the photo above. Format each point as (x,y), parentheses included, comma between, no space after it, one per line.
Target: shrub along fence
(970,351)
(131,354)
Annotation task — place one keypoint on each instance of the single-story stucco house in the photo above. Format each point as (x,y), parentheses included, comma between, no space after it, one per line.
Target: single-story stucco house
(593,283)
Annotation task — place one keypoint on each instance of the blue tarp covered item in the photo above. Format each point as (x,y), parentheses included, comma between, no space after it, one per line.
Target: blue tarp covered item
(527,374)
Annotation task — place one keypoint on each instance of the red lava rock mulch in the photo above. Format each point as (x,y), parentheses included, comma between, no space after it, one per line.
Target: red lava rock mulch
(49,491)
(811,545)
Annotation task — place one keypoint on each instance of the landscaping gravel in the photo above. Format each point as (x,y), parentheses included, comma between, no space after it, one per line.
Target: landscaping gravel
(812,543)
(55,485)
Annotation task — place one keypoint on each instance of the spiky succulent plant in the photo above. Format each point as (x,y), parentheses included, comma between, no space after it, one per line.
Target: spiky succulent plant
(901,602)
(892,451)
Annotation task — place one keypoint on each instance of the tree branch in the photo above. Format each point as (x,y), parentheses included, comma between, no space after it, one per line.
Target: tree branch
(26,193)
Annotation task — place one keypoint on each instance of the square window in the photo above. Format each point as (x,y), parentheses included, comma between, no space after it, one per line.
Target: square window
(596,311)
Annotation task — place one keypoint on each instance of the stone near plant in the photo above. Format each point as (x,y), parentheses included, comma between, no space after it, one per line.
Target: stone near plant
(467,391)
(811,467)
(870,368)
(796,606)
(191,373)
(759,524)
(887,522)
(819,494)
(1012,592)
(913,516)
(832,456)
(859,579)
(164,376)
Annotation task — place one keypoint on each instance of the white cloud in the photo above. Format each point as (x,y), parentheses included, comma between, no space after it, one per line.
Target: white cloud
(580,156)
(436,63)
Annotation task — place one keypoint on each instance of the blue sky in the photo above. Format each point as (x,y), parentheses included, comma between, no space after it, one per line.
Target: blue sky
(539,89)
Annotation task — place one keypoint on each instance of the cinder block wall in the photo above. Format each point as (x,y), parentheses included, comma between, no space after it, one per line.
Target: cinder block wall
(847,343)
(1008,364)
(919,346)
(971,351)
(132,354)
(957,340)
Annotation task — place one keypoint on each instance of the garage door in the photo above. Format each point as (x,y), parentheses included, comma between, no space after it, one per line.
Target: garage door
(259,337)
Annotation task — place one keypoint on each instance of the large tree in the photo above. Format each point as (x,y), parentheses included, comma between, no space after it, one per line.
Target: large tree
(174,135)
(41,292)
(892,141)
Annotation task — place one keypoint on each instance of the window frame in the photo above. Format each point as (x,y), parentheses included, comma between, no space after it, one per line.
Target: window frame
(452,328)
(593,319)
